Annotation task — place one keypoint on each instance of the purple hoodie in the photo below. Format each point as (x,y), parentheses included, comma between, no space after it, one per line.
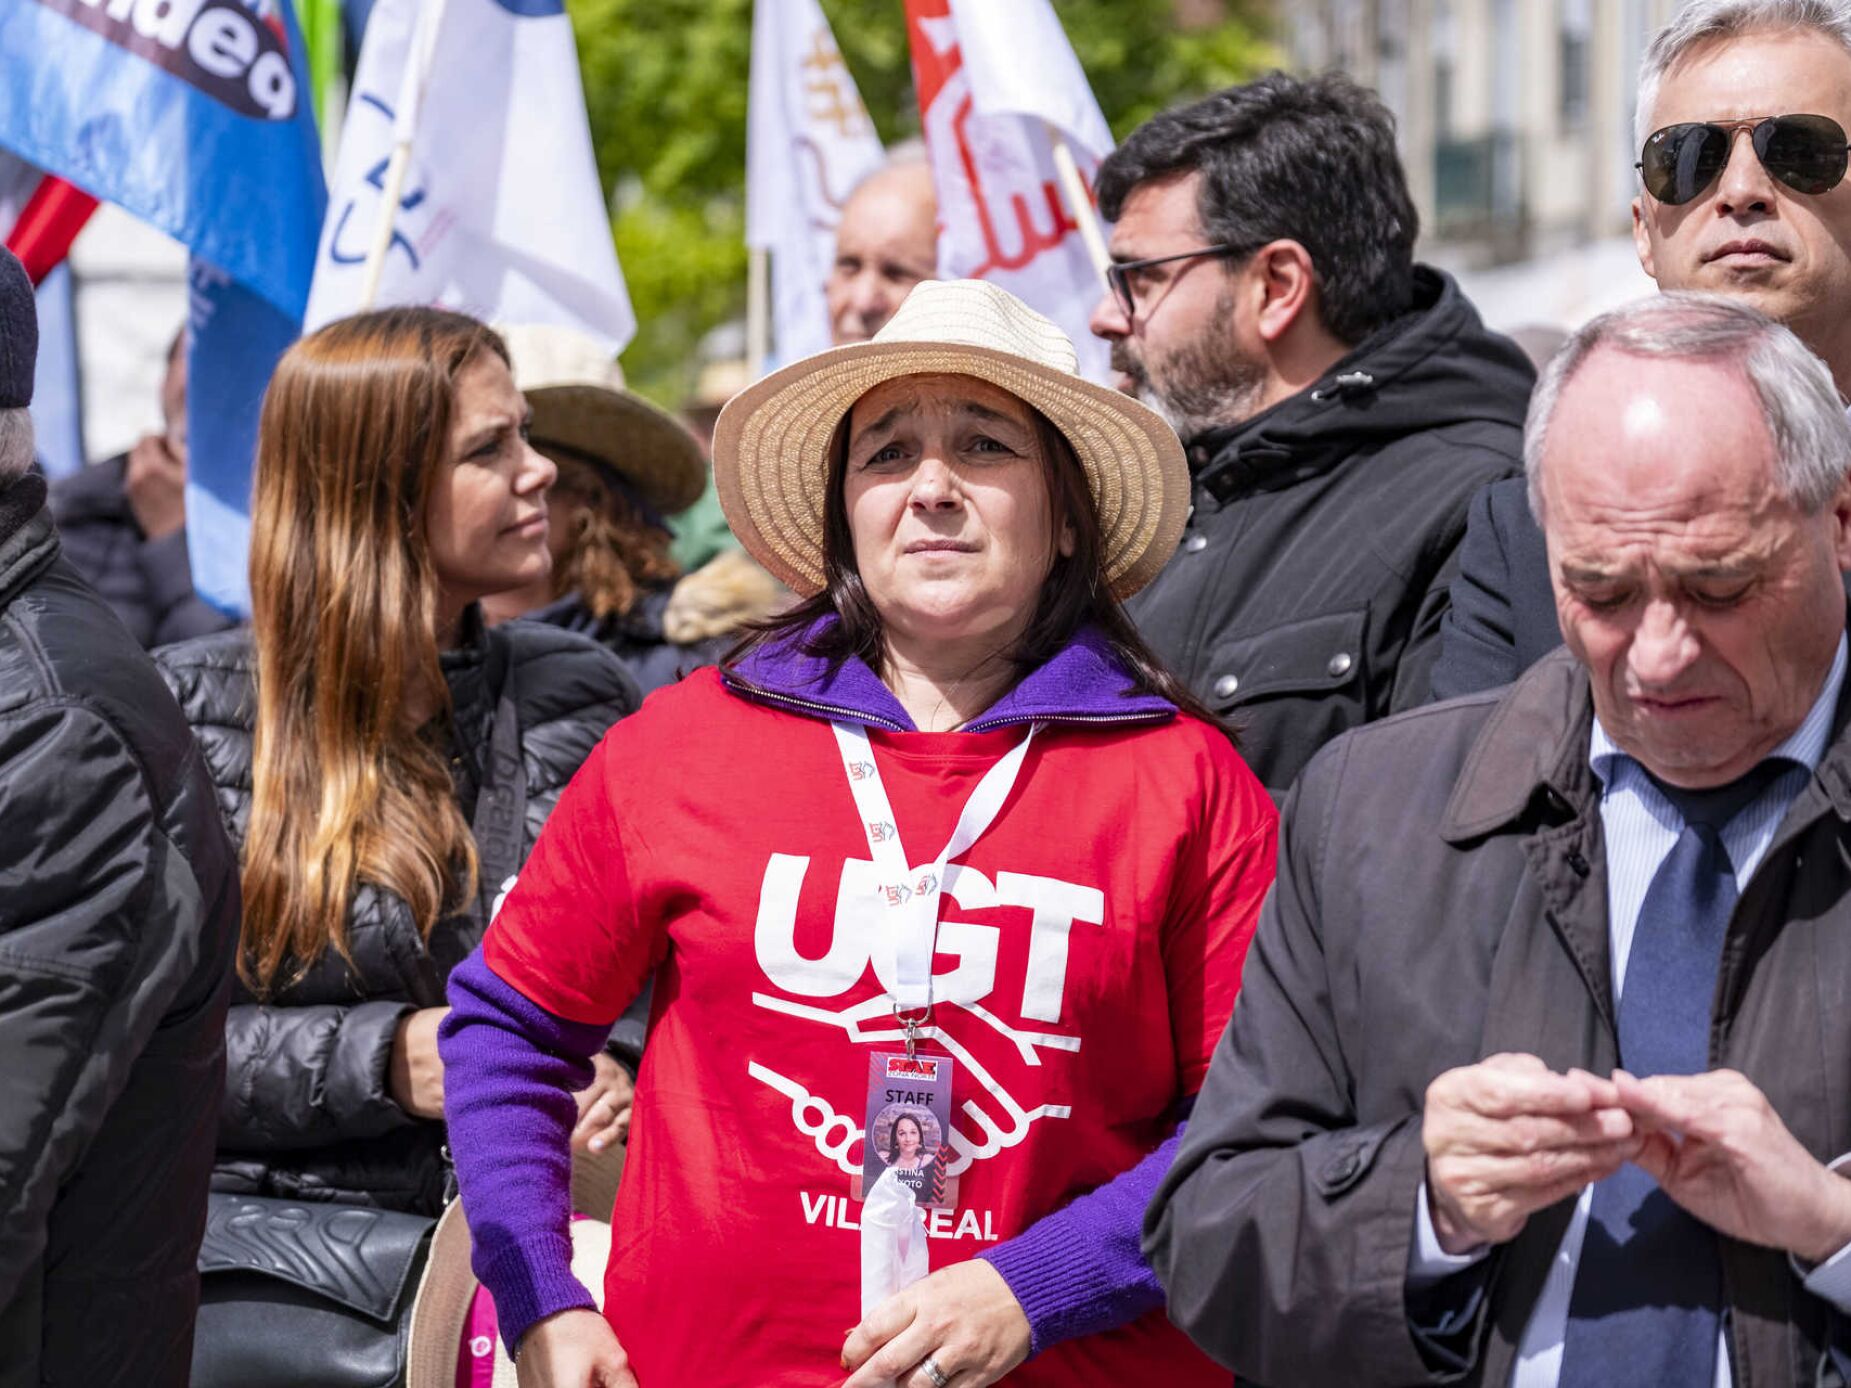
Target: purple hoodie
(509,1065)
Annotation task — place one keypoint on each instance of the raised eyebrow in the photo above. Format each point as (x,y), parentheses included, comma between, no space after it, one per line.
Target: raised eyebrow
(486,432)
(990,416)
(878,426)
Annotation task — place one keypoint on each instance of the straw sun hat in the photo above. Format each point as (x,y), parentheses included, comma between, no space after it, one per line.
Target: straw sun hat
(771,445)
(447,1329)
(579,403)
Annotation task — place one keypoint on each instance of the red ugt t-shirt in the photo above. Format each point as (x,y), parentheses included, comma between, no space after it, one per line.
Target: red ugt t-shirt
(1088,955)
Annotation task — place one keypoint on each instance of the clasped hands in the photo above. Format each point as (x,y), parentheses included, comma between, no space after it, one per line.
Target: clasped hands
(1508,1136)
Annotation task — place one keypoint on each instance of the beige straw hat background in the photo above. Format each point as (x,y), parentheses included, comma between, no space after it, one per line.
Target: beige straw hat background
(441,1309)
(579,402)
(771,445)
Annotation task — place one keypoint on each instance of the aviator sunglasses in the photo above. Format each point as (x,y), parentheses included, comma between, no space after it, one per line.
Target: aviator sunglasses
(1807,153)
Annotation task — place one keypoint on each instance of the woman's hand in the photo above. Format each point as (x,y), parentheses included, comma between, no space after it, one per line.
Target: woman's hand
(603,1107)
(573,1349)
(963,1317)
(414,1074)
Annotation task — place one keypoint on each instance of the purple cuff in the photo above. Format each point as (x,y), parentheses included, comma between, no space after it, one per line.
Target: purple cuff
(510,1070)
(1081,1269)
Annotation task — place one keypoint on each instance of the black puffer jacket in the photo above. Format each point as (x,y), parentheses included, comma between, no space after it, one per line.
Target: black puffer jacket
(307,1111)
(636,638)
(149,583)
(118,925)
(1307,593)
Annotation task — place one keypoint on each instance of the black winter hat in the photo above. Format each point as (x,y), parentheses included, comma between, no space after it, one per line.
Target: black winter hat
(19,333)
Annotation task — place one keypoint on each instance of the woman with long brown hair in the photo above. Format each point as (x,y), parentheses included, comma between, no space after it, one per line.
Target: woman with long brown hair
(384,760)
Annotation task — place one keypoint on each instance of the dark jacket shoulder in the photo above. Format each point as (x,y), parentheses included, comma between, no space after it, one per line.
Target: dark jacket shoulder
(147,583)
(119,914)
(1502,617)
(1307,593)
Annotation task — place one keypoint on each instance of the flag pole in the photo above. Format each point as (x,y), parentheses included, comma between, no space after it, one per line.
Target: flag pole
(404,128)
(758,311)
(1079,201)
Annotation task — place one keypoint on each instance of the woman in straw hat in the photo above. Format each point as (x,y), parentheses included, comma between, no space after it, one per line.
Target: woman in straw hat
(958,708)
(624,468)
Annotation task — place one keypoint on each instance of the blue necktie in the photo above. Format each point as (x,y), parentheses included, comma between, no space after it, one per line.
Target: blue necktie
(1648,1288)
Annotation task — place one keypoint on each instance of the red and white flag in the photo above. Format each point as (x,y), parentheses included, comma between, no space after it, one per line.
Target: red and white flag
(996,80)
(808,143)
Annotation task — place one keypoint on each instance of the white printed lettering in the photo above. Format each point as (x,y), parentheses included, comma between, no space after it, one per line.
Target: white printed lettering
(223,44)
(1057,905)
(775,937)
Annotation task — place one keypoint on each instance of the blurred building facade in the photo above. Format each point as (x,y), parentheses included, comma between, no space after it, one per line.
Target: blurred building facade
(1515,120)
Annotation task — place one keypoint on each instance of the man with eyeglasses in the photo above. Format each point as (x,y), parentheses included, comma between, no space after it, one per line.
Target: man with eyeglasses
(1339,403)
(1742,118)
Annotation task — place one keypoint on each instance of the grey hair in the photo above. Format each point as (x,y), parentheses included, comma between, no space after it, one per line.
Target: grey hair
(17,444)
(1799,403)
(1702,21)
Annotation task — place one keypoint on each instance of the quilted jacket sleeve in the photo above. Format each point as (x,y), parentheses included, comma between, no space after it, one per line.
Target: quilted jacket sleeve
(308,1076)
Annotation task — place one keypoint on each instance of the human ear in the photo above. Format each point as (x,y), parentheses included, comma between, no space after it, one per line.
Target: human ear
(1841,522)
(1642,238)
(1284,285)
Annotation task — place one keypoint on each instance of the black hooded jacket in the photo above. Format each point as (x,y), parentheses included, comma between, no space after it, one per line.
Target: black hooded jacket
(1306,595)
(118,929)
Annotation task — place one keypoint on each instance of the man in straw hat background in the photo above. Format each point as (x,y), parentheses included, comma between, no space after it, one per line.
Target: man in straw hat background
(957,707)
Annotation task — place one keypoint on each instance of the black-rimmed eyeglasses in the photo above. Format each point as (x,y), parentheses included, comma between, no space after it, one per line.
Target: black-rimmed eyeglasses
(1118,274)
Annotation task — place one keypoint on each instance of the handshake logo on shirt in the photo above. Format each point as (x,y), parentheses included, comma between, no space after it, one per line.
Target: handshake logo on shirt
(985,1121)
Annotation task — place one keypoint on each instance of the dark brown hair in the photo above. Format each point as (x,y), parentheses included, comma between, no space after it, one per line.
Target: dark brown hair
(1075,594)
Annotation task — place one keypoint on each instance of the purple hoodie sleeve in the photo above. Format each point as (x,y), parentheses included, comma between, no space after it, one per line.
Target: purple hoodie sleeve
(510,1070)
(1081,1270)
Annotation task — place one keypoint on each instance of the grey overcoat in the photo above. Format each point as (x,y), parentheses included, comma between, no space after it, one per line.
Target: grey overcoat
(1441,897)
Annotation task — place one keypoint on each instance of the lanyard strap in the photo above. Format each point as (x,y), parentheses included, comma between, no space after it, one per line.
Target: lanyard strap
(911,897)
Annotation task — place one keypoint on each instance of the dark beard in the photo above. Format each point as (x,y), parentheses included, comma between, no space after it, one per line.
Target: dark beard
(1203,387)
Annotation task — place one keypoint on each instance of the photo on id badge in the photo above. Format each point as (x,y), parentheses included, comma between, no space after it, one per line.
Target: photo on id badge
(909,1114)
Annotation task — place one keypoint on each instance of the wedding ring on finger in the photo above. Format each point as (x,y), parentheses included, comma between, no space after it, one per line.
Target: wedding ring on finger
(929,1367)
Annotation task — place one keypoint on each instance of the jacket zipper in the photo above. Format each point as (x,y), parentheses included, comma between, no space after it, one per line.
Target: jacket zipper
(987,725)
(758,692)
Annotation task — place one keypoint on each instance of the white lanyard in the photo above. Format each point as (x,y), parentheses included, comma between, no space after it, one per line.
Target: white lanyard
(913,896)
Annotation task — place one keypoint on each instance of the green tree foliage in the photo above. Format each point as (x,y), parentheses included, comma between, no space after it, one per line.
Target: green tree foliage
(665,85)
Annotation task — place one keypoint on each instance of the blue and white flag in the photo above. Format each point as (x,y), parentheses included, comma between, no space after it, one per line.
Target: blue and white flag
(501,214)
(193,115)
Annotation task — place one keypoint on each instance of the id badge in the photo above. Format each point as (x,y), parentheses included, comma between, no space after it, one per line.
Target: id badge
(909,1116)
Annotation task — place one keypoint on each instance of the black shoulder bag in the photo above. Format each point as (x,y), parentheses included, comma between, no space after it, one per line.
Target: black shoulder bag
(301,1295)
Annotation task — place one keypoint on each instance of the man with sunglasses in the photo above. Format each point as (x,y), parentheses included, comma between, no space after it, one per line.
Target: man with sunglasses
(1742,118)
(1340,405)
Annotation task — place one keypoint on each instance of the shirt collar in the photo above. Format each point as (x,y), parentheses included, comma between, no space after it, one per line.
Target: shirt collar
(1806,745)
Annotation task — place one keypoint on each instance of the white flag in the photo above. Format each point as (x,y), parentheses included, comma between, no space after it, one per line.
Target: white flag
(995,79)
(501,215)
(808,143)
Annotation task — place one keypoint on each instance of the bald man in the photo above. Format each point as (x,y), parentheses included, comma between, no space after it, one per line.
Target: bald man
(886,242)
